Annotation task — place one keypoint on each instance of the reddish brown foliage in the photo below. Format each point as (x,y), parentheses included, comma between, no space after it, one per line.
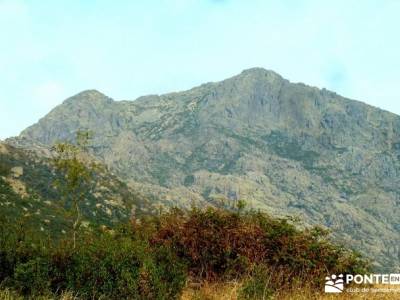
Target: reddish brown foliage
(213,241)
(218,243)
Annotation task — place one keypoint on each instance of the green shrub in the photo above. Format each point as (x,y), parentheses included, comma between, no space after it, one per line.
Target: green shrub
(257,286)
(32,277)
(118,267)
(115,267)
(110,265)
(103,267)
(168,273)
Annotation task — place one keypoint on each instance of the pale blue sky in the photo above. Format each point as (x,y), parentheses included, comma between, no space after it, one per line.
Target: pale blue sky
(50,50)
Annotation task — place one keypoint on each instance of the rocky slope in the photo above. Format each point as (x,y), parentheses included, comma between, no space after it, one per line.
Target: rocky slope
(284,147)
(29,196)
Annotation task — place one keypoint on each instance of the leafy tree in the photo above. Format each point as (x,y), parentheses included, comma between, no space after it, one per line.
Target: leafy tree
(73,161)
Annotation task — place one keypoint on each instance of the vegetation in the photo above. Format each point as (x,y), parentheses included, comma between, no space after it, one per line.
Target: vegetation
(77,173)
(156,257)
(45,203)
(219,244)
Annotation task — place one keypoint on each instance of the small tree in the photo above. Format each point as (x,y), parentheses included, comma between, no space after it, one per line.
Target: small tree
(241,205)
(73,162)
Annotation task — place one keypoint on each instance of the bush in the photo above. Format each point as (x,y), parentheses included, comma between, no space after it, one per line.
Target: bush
(214,242)
(118,267)
(257,286)
(103,265)
(32,277)
(219,244)
(151,259)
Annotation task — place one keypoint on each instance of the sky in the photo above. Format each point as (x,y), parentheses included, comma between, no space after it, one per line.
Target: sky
(51,50)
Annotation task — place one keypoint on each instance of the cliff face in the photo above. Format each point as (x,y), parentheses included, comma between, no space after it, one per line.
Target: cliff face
(288,148)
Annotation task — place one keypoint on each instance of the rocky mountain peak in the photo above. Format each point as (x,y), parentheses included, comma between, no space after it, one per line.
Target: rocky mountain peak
(89,96)
(260,73)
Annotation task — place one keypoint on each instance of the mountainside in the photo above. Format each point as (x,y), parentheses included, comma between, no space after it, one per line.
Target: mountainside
(29,196)
(284,147)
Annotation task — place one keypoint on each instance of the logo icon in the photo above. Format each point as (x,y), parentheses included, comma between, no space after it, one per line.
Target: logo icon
(334,284)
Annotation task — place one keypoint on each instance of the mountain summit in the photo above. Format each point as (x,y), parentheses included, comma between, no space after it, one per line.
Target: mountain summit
(284,147)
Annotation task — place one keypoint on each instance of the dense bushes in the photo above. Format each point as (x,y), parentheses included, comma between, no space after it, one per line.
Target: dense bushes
(110,265)
(213,242)
(218,244)
(151,258)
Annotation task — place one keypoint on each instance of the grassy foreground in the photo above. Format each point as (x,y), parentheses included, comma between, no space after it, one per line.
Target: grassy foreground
(230,291)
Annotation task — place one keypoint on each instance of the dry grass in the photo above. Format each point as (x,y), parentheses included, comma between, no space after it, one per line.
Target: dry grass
(212,291)
(230,291)
(308,294)
(7,294)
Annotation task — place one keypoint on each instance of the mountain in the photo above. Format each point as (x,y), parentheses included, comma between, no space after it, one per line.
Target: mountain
(288,148)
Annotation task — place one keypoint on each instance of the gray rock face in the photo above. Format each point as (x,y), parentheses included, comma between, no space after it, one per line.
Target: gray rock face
(284,147)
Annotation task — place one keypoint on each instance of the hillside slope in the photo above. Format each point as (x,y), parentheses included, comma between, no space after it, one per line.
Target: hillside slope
(284,147)
(28,195)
